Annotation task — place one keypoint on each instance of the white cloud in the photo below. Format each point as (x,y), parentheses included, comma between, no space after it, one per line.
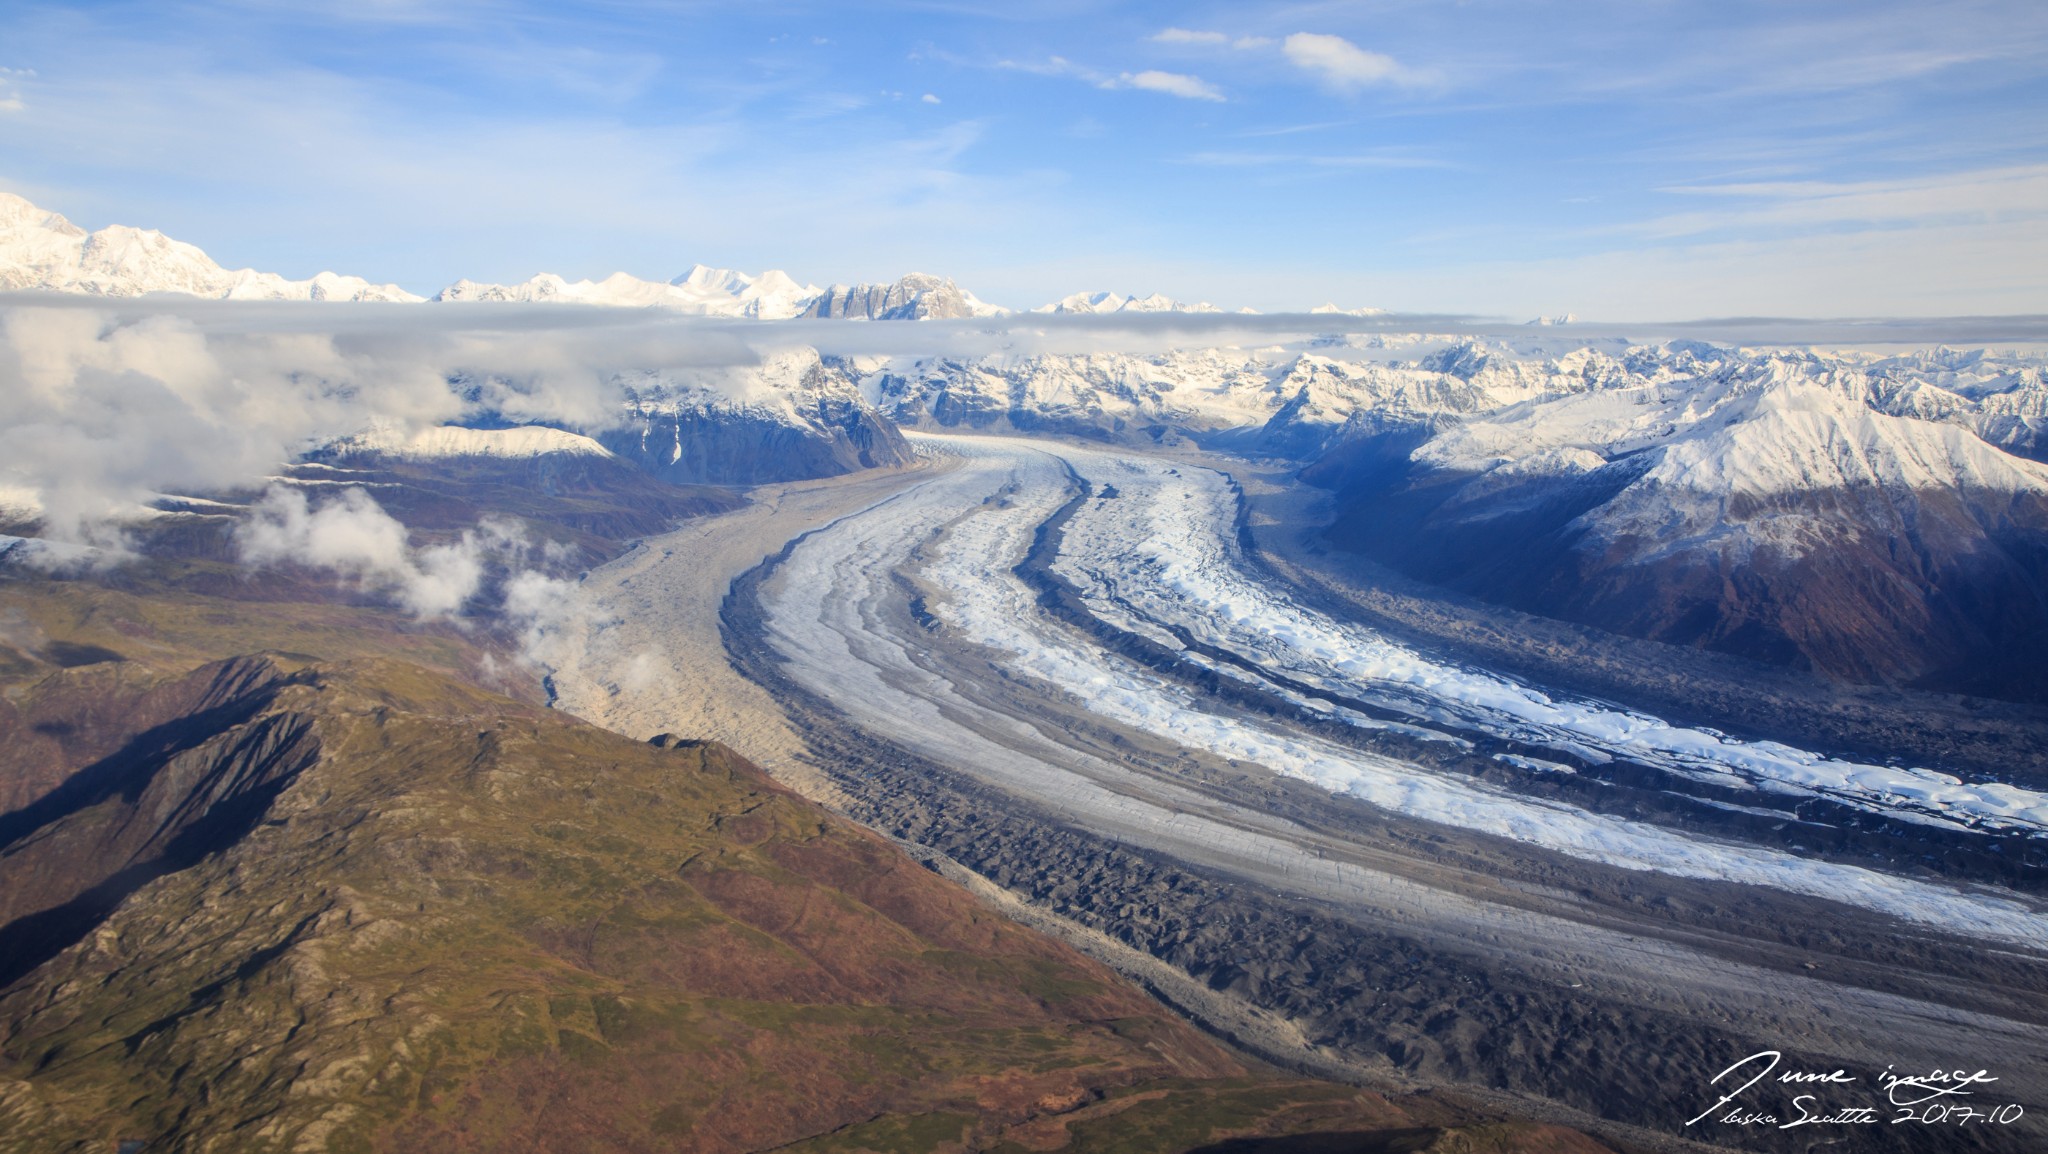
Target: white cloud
(352,536)
(105,405)
(1050,66)
(1189,36)
(1341,64)
(1171,83)
(928,98)
(1152,80)
(543,609)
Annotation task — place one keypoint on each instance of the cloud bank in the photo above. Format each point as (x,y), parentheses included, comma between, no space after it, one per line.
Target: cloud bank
(352,536)
(105,405)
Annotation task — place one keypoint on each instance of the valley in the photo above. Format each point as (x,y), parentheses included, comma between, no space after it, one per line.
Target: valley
(1341,860)
(1048,578)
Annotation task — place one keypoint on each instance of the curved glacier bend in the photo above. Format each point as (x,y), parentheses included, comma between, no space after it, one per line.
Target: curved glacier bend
(1155,558)
(1160,557)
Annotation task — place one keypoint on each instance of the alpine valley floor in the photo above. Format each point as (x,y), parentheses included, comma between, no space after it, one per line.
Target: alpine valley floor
(1071,672)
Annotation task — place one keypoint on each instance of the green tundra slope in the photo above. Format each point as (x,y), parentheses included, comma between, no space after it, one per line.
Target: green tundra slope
(359,905)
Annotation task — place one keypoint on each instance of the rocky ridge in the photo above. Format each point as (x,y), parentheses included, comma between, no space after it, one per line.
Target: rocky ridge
(918,296)
(795,416)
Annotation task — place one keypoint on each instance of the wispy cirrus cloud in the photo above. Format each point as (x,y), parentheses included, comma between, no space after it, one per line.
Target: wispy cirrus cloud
(1050,66)
(1208,39)
(1331,60)
(1998,194)
(10,89)
(1386,159)
(1183,85)
(1172,83)
(1189,36)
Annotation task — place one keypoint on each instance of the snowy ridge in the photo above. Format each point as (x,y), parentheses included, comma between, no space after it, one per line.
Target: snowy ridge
(917,296)
(1766,434)
(1498,401)
(1109,302)
(701,292)
(41,250)
(19,503)
(1718,447)
(448,442)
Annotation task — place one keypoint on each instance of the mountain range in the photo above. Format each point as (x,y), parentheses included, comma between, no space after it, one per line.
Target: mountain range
(40,249)
(1870,516)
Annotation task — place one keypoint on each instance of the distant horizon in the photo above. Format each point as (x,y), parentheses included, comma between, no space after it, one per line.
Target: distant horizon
(1602,158)
(2020,331)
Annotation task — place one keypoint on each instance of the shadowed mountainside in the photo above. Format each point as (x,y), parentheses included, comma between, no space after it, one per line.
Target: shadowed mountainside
(1865,579)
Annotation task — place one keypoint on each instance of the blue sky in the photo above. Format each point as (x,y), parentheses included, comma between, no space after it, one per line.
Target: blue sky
(1624,160)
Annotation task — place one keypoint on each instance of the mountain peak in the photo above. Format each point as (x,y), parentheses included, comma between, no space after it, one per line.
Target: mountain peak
(703,291)
(916,296)
(40,249)
(1095,303)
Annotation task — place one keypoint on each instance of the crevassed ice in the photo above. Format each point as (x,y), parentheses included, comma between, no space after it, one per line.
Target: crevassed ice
(988,605)
(1164,550)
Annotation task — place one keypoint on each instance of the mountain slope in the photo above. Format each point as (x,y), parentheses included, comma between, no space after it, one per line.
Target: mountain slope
(42,250)
(451,921)
(1763,512)
(795,416)
(916,297)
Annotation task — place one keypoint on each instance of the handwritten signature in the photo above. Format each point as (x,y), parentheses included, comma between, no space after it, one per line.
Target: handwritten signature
(1936,1097)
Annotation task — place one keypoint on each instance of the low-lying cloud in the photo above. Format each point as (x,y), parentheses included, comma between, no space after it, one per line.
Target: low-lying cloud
(106,404)
(352,536)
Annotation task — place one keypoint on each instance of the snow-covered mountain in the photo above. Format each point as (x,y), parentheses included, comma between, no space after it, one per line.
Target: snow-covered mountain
(1286,399)
(1839,512)
(773,295)
(40,249)
(794,416)
(918,296)
(1874,517)
(702,291)
(1109,302)
(454,442)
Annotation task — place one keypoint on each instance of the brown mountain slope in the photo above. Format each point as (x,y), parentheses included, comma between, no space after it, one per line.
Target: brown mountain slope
(360,906)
